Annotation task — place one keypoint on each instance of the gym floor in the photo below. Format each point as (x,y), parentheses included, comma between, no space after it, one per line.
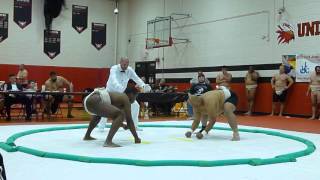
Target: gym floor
(172,145)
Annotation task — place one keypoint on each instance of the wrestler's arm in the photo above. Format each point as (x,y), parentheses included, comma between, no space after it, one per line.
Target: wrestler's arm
(290,82)
(229,78)
(210,125)
(47,86)
(67,83)
(272,82)
(128,116)
(309,88)
(255,76)
(196,121)
(218,79)
(135,78)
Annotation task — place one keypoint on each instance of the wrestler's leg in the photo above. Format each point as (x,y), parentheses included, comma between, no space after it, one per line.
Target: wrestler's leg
(69,100)
(195,124)
(317,103)
(314,104)
(93,123)
(117,122)
(229,109)
(251,95)
(204,122)
(108,110)
(248,100)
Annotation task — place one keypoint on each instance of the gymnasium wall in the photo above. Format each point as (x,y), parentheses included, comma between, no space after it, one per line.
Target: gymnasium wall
(79,61)
(226,32)
(26,45)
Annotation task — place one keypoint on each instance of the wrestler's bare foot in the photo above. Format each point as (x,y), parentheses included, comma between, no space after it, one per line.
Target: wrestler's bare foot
(272,114)
(111,145)
(313,117)
(247,113)
(280,115)
(89,138)
(236,137)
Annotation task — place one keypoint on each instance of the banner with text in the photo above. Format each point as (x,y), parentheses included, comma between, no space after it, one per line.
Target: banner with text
(98,35)
(51,44)
(79,18)
(22,12)
(3,26)
(305,66)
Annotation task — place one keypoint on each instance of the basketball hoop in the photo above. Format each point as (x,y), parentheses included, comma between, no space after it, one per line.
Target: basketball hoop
(152,42)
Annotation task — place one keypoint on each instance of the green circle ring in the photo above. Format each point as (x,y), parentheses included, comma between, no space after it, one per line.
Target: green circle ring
(10,146)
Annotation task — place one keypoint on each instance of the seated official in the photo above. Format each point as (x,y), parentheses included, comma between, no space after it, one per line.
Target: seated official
(163,88)
(15,98)
(35,99)
(57,84)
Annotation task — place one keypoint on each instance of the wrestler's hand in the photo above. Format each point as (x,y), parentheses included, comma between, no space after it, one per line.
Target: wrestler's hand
(146,88)
(137,141)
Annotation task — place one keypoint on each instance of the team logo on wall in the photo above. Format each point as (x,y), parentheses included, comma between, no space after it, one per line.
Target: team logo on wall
(79,18)
(22,12)
(98,35)
(51,45)
(3,26)
(285,33)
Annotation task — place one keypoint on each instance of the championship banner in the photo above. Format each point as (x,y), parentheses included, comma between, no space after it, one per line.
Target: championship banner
(2,170)
(98,35)
(51,44)
(3,26)
(22,12)
(79,18)
(305,66)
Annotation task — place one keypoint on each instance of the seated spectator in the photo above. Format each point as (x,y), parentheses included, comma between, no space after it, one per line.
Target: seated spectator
(163,88)
(195,79)
(22,76)
(201,87)
(15,98)
(57,84)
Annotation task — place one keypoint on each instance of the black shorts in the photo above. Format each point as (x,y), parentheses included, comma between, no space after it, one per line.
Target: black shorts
(233,99)
(279,98)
